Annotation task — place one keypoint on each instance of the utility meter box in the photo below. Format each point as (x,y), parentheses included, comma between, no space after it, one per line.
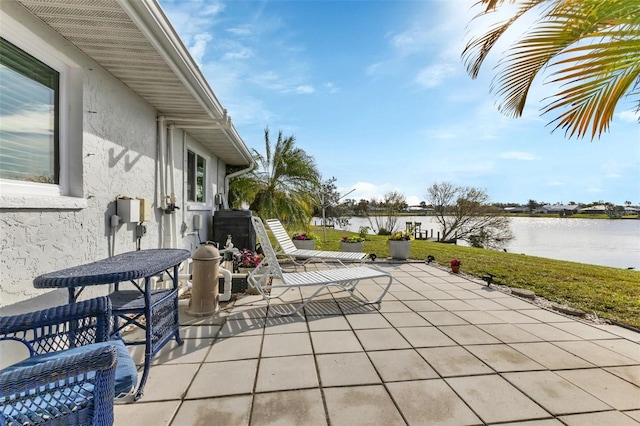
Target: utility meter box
(145,209)
(128,210)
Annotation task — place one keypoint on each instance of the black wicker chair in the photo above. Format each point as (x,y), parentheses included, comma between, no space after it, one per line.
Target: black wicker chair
(74,371)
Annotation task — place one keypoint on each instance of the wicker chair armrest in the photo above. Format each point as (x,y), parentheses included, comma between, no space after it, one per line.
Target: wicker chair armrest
(79,384)
(21,379)
(30,326)
(99,306)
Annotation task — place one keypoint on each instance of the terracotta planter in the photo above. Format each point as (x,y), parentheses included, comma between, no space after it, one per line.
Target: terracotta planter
(455,269)
(399,249)
(305,244)
(351,247)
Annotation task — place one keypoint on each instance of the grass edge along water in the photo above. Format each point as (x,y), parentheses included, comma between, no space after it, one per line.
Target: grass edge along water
(609,293)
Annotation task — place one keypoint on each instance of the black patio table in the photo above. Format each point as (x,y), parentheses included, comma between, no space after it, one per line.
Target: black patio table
(159,307)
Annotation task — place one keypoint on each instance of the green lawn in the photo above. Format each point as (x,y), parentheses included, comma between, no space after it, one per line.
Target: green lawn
(610,293)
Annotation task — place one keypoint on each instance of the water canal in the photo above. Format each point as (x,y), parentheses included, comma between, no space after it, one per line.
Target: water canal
(603,242)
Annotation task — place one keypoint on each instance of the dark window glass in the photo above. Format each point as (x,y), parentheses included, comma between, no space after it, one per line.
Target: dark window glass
(191,176)
(201,173)
(196,177)
(29,92)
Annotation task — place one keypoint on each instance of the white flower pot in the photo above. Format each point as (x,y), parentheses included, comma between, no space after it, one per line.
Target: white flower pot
(399,249)
(305,244)
(351,247)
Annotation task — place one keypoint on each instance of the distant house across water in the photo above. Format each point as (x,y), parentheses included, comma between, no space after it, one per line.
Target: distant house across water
(560,208)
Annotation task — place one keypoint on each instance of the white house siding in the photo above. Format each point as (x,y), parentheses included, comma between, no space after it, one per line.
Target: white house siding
(119,159)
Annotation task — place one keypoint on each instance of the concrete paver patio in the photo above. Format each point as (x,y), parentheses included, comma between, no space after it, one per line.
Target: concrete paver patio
(441,350)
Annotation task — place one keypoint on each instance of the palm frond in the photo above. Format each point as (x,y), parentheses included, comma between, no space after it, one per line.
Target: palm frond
(594,48)
(283,183)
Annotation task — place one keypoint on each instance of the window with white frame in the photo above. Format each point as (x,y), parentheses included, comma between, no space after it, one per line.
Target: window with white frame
(196,177)
(29,107)
(41,118)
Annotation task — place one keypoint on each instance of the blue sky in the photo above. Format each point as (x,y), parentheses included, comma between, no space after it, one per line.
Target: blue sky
(377,93)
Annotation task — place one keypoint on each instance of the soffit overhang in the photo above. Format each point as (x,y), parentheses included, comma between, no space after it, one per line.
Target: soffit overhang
(135,42)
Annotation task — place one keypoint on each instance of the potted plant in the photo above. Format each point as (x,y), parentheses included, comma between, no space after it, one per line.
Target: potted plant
(306,241)
(455,265)
(246,260)
(400,244)
(354,243)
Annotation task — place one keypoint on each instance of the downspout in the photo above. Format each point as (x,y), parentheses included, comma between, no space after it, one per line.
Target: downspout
(227,178)
(184,226)
(162,201)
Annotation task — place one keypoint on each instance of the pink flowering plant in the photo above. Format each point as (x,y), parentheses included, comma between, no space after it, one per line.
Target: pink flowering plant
(352,239)
(246,258)
(306,236)
(455,262)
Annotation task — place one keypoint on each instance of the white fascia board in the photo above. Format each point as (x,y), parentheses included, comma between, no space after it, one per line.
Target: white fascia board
(237,140)
(149,17)
(154,24)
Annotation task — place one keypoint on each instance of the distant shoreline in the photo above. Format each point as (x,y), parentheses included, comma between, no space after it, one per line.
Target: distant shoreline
(533,216)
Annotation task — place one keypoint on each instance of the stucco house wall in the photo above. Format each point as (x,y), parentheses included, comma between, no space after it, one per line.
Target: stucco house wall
(118,153)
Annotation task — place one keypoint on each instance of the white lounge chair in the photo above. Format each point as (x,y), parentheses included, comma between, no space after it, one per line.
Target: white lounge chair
(287,248)
(268,275)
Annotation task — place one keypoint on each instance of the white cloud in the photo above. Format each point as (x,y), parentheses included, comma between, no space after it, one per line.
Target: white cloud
(199,46)
(267,79)
(373,69)
(630,116)
(594,189)
(518,155)
(213,9)
(241,31)
(304,90)
(370,191)
(248,110)
(414,39)
(612,169)
(413,200)
(241,53)
(289,85)
(331,88)
(434,75)
(367,190)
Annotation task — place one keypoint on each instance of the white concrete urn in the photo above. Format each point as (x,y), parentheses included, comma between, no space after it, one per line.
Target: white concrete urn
(305,244)
(352,247)
(399,250)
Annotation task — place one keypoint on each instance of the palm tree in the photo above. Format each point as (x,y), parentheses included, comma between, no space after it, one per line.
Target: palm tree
(593,46)
(283,185)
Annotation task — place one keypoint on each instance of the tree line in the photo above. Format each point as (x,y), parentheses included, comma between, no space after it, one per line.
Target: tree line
(286,184)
